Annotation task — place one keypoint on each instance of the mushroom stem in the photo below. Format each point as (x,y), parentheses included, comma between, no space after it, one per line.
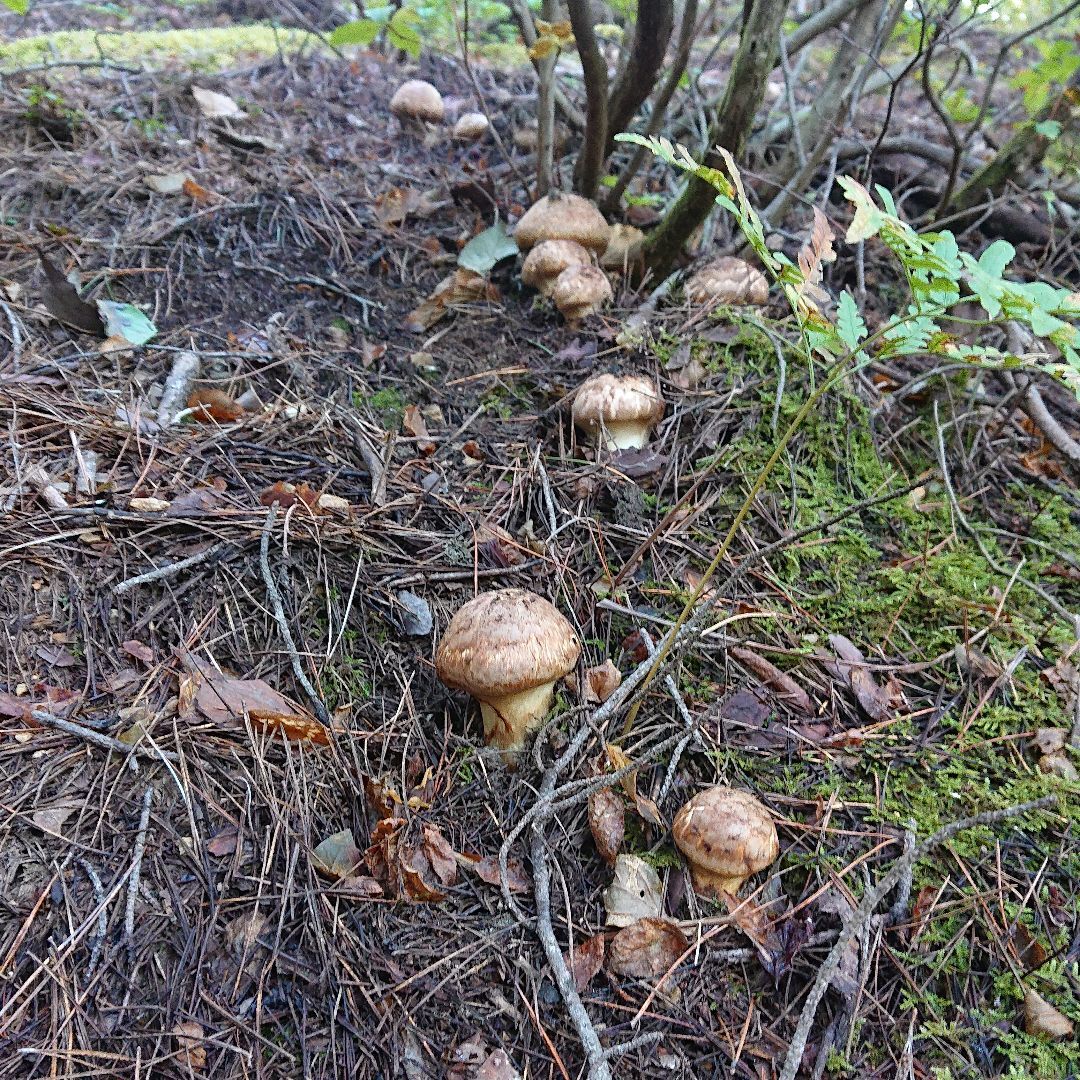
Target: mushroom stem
(508,721)
(710,884)
(618,436)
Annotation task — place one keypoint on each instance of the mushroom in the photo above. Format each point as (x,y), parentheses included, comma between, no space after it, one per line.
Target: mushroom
(507,649)
(471,127)
(417,101)
(581,291)
(726,835)
(561,216)
(548,260)
(728,281)
(624,247)
(621,410)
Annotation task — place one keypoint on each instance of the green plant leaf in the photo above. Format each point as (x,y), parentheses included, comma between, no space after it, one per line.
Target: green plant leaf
(126,321)
(996,257)
(849,321)
(18,6)
(485,249)
(357,32)
(402,33)
(1048,129)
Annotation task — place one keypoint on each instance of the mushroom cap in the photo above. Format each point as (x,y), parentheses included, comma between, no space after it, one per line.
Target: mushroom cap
(624,246)
(563,216)
(726,832)
(617,399)
(471,127)
(548,260)
(581,290)
(728,281)
(417,100)
(506,642)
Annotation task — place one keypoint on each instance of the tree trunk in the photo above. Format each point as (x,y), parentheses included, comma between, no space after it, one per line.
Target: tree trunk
(590,159)
(652,32)
(756,57)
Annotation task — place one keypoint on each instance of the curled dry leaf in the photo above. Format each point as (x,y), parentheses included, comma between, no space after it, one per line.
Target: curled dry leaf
(487,870)
(585,960)
(138,650)
(634,893)
(599,683)
(189,1044)
(286,495)
(607,822)
(786,689)
(209,405)
(646,808)
(224,842)
(1042,1020)
(337,856)
(646,949)
(460,287)
(1029,950)
(850,669)
(413,423)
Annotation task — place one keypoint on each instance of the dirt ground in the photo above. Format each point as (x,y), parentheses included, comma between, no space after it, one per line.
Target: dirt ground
(161,911)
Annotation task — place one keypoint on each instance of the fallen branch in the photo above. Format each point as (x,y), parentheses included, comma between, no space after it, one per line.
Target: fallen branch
(105,742)
(136,868)
(185,371)
(170,569)
(870,901)
(1033,404)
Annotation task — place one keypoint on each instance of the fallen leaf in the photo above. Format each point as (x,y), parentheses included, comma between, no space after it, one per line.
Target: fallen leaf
(148,505)
(497,1066)
(138,650)
(296,726)
(223,842)
(786,689)
(215,106)
(1042,1020)
(198,194)
(607,822)
(189,1043)
(210,405)
(63,302)
(462,286)
(585,960)
(395,205)
(167,183)
(51,818)
(647,809)
(634,893)
(359,887)
(125,324)
(487,870)
(646,949)
(486,249)
(1028,948)
(439,854)
(286,495)
(413,423)
(875,701)
(56,656)
(599,683)
(413,614)
(337,856)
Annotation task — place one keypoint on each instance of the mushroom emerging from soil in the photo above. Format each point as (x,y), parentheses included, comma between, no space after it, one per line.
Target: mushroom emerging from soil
(581,291)
(417,101)
(471,127)
(728,281)
(548,260)
(560,216)
(621,410)
(623,249)
(726,835)
(507,649)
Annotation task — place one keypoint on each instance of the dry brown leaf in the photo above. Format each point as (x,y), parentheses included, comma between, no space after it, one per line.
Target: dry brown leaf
(1042,1020)
(646,949)
(647,809)
(189,1044)
(359,887)
(148,505)
(876,702)
(210,405)
(634,893)
(223,842)
(497,1066)
(337,856)
(198,194)
(1029,950)
(487,870)
(138,650)
(286,495)
(51,818)
(215,106)
(413,423)
(786,689)
(440,855)
(599,683)
(462,286)
(298,727)
(394,206)
(607,822)
(585,960)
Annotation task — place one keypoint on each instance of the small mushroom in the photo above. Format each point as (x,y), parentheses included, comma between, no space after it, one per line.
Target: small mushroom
(581,291)
(562,216)
(726,835)
(728,281)
(623,249)
(548,260)
(471,127)
(507,649)
(417,101)
(619,410)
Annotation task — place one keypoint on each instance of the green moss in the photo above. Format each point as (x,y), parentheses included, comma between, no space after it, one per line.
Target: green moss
(208,48)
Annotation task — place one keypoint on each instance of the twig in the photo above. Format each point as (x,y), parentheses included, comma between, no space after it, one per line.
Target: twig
(185,371)
(283,622)
(136,868)
(866,908)
(39,480)
(106,742)
(16,335)
(1036,409)
(102,917)
(170,569)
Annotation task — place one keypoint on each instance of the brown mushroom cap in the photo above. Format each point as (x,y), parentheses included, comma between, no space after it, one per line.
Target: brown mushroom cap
(560,216)
(581,291)
(624,407)
(624,247)
(507,649)
(417,100)
(471,127)
(548,259)
(728,281)
(726,835)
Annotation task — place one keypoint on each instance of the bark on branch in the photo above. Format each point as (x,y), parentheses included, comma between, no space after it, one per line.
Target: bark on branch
(590,160)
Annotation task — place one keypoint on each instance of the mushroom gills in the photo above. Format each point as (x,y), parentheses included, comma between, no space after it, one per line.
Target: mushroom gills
(508,721)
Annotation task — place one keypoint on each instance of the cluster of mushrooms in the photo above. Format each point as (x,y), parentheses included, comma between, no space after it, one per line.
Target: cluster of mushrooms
(508,648)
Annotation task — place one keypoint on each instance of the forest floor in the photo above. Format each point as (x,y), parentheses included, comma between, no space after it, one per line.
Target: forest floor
(162,908)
